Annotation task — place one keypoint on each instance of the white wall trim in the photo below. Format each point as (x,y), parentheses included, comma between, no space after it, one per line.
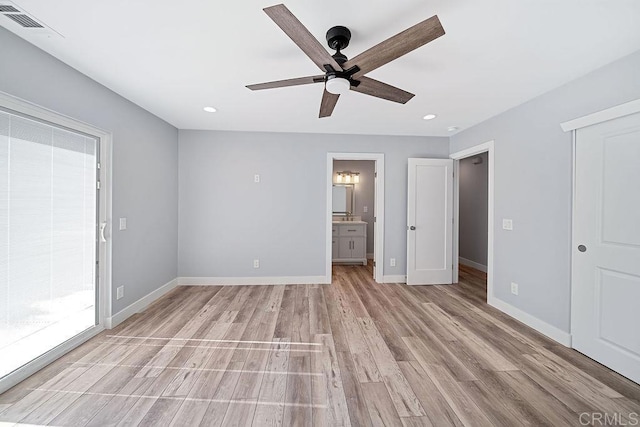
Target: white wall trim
(378,227)
(621,110)
(472,264)
(489,148)
(544,328)
(139,305)
(398,278)
(240,281)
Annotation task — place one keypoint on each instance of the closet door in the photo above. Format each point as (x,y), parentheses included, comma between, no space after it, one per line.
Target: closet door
(606,245)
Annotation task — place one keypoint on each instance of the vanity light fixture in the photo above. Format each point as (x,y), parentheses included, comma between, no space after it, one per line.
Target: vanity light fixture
(348,177)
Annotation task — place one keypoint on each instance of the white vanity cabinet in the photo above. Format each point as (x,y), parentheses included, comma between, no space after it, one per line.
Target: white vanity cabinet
(349,242)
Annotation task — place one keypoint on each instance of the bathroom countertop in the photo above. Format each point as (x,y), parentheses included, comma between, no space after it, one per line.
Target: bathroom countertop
(349,222)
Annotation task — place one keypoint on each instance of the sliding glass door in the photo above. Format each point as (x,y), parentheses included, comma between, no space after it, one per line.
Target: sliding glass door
(48,237)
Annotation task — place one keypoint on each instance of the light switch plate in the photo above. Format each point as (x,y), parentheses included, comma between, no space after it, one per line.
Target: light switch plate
(256,178)
(123,223)
(507,224)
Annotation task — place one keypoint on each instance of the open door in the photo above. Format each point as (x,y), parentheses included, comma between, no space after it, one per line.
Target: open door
(430,222)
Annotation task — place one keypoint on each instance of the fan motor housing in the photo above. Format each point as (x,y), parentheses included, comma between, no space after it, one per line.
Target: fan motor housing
(338,37)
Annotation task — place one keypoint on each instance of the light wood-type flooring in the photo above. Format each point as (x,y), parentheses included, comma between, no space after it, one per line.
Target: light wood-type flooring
(350,353)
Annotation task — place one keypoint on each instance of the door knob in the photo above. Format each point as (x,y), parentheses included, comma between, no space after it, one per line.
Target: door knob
(582,248)
(412,228)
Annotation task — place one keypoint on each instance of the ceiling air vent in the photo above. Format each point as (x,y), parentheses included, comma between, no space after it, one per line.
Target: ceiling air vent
(27,22)
(24,20)
(4,8)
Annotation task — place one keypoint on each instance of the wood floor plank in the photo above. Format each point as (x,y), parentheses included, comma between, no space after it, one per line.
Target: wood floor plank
(327,389)
(464,407)
(381,409)
(358,412)
(298,392)
(271,401)
(402,396)
(365,365)
(435,405)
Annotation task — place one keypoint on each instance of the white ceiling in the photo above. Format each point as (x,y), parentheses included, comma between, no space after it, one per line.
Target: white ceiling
(173,58)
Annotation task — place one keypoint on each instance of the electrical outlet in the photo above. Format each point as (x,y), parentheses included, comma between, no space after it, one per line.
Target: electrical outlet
(256,178)
(256,263)
(120,292)
(514,288)
(392,262)
(507,224)
(365,209)
(123,223)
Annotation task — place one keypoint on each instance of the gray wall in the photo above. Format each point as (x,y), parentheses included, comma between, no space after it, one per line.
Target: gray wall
(364,191)
(474,189)
(533,169)
(227,220)
(145,161)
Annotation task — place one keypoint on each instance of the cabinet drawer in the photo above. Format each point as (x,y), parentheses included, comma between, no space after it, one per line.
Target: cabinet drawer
(352,229)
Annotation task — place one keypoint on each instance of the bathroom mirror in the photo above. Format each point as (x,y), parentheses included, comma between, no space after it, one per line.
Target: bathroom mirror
(343,199)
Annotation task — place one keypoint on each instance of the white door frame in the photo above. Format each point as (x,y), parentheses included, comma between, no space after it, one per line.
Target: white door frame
(378,227)
(21,106)
(487,147)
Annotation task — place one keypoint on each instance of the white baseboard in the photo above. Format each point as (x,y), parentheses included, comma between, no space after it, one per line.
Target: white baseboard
(541,326)
(370,256)
(140,305)
(238,281)
(398,278)
(472,264)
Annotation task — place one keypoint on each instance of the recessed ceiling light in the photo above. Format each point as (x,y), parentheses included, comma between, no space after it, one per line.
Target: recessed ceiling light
(429,117)
(209,109)
(453,128)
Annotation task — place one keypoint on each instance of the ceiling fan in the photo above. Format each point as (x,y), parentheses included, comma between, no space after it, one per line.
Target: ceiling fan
(342,74)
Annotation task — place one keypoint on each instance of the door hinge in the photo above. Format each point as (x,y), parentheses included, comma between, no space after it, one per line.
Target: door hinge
(98,165)
(374,263)
(375,219)
(97,185)
(375,174)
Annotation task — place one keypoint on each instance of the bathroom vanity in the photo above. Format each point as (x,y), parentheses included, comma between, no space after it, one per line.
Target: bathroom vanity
(349,242)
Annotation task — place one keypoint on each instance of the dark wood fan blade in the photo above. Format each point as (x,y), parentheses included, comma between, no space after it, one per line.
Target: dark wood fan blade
(396,46)
(290,82)
(328,103)
(378,89)
(301,36)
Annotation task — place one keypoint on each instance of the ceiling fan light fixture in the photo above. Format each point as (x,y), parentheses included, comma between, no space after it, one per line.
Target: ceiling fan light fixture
(337,85)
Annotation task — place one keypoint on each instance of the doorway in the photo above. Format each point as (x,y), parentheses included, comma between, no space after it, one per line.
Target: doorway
(473,219)
(367,206)
(473,216)
(51,251)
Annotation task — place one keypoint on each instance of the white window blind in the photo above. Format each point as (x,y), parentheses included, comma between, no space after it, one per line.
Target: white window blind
(47,227)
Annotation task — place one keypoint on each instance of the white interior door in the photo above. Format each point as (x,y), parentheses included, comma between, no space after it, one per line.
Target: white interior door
(429,222)
(606,245)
